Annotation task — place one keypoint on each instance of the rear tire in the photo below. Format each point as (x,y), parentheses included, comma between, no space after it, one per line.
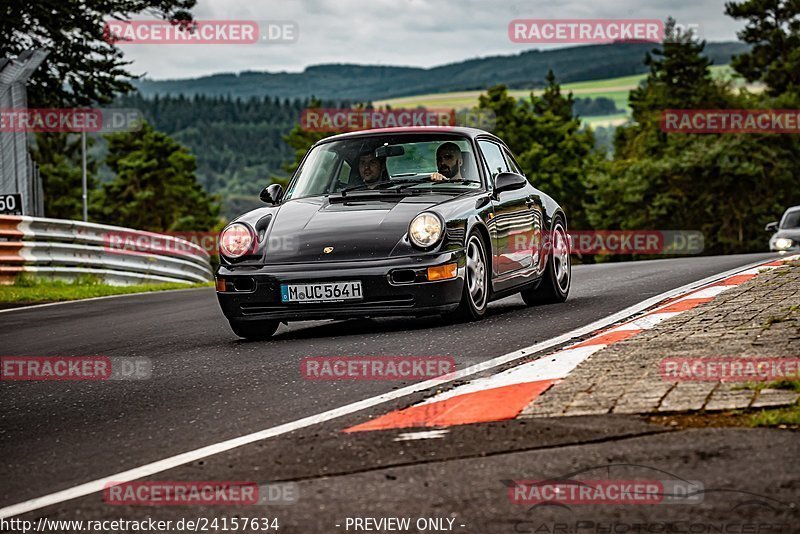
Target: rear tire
(254,330)
(475,295)
(557,277)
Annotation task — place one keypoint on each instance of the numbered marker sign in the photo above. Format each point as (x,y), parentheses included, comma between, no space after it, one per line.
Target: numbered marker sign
(10,204)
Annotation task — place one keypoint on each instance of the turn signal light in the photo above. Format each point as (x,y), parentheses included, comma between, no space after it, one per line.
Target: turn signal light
(221,285)
(443,272)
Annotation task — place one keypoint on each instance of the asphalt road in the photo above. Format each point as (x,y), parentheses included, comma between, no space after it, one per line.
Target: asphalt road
(208,386)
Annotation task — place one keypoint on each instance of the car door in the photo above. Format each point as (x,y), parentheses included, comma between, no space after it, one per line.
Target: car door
(537,246)
(512,225)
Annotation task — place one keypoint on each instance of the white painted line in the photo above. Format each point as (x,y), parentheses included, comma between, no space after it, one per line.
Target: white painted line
(646,322)
(425,434)
(757,270)
(551,367)
(33,306)
(707,293)
(159,466)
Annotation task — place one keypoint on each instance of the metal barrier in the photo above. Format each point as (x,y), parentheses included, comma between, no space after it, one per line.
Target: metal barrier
(66,249)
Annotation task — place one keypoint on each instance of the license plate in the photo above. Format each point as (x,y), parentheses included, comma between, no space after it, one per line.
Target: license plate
(326,292)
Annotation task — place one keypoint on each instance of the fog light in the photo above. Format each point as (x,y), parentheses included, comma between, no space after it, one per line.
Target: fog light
(221,285)
(443,272)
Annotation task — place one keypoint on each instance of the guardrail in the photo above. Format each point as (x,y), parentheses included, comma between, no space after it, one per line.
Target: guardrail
(67,249)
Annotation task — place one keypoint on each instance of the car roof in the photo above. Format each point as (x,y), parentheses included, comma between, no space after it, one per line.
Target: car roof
(793,208)
(471,133)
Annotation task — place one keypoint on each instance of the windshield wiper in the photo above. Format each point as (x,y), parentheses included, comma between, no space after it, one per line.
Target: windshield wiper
(405,182)
(363,187)
(385,185)
(409,183)
(458,182)
(352,188)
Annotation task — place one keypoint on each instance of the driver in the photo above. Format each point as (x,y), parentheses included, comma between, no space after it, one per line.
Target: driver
(448,162)
(371,169)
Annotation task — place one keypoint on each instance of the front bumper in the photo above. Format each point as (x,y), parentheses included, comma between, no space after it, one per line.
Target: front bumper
(252,293)
(794,248)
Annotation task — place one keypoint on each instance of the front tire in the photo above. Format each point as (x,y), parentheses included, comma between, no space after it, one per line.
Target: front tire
(557,277)
(475,295)
(254,330)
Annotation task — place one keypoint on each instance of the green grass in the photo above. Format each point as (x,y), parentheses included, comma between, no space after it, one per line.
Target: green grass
(777,417)
(781,417)
(617,89)
(30,290)
(606,120)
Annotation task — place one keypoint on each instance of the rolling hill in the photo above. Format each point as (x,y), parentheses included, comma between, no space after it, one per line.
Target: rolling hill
(364,82)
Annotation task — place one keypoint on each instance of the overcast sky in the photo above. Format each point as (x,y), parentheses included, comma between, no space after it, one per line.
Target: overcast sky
(421,33)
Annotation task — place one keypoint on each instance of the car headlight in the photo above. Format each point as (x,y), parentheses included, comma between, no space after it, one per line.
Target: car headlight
(235,240)
(782,243)
(425,229)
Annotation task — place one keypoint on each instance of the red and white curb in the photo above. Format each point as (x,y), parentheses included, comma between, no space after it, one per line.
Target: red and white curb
(504,395)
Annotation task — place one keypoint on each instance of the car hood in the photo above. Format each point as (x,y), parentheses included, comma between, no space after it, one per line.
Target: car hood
(791,233)
(358,229)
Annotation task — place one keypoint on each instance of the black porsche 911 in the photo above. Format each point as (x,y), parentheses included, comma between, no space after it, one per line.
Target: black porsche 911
(401,221)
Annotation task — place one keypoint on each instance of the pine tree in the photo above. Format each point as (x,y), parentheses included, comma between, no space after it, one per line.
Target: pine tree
(773,30)
(555,152)
(155,187)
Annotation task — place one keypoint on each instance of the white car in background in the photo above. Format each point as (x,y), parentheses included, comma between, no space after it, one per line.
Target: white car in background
(787,233)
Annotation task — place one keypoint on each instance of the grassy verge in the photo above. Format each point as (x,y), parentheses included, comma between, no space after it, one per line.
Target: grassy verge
(785,417)
(780,417)
(30,290)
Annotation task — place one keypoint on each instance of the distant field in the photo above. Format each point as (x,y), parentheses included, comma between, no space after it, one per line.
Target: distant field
(616,89)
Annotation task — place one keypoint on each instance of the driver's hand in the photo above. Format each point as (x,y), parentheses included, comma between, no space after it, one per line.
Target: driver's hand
(437,177)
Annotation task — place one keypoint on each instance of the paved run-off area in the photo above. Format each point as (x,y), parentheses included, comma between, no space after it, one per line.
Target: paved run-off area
(757,319)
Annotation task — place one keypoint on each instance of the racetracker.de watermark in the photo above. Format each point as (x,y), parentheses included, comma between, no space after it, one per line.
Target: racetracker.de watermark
(199,32)
(730,121)
(349,119)
(183,243)
(585,30)
(729,369)
(605,491)
(73,368)
(200,493)
(89,120)
(612,242)
(376,367)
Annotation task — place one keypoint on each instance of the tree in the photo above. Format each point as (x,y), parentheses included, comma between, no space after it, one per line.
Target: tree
(301,139)
(155,187)
(773,30)
(725,185)
(59,158)
(82,68)
(678,78)
(555,152)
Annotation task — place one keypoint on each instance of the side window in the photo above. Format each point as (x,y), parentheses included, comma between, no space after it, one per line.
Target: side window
(511,163)
(494,158)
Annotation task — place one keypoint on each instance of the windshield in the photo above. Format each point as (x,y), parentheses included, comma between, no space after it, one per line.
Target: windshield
(419,163)
(791,220)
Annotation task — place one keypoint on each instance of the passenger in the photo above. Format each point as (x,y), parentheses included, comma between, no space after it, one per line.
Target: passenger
(448,163)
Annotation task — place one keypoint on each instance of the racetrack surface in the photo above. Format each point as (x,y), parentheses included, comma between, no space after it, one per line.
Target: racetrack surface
(208,386)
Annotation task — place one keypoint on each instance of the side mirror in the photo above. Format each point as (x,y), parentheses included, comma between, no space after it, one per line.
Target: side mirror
(771,227)
(508,181)
(272,194)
